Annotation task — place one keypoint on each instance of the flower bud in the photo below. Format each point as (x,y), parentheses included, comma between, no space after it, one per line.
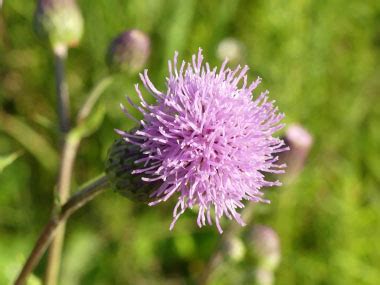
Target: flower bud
(300,142)
(265,245)
(119,166)
(232,49)
(234,249)
(61,20)
(129,52)
(264,277)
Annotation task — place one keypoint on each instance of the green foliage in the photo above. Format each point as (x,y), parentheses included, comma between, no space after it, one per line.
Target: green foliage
(6,160)
(319,59)
(31,140)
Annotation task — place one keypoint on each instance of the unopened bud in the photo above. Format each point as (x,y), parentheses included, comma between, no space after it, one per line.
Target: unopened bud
(234,249)
(61,20)
(300,142)
(264,277)
(232,49)
(119,166)
(265,245)
(129,52)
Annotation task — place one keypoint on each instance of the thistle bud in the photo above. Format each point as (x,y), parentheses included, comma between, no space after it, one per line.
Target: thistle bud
(234,249)
(264,277)
(61,20)
(232,49)
(265,245)
(300,142)
(119,166)
(129,51)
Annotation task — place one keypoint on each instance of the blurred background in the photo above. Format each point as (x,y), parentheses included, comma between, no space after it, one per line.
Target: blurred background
(321,62)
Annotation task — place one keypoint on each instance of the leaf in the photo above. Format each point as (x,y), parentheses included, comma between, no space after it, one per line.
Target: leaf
(6,160)
(93,97)
(12,260)
(88,126)
(81,249)
(36,144)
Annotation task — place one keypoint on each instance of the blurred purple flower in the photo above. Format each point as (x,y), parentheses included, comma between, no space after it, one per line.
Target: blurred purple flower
(207,140)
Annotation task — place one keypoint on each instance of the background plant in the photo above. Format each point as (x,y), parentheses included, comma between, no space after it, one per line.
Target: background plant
(319,60)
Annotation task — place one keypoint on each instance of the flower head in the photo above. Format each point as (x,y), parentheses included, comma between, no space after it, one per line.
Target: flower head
(206,140)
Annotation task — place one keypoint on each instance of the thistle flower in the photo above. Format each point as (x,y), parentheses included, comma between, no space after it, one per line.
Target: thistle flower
(206,140)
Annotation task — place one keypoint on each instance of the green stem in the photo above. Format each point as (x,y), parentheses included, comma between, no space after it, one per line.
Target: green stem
(63,100)
(217,257)
(69,151)
(68,154)
(79,199)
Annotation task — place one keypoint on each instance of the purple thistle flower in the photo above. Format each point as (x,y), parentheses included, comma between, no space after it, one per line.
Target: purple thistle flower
(206,140)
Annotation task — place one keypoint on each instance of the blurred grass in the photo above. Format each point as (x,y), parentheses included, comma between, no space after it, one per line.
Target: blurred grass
(319,59)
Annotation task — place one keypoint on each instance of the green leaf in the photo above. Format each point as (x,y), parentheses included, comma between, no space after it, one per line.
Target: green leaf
(32,141)
(81,249)
(93,98)
(6,160)
(88,126)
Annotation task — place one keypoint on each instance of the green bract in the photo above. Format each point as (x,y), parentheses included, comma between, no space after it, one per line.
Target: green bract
(119,166)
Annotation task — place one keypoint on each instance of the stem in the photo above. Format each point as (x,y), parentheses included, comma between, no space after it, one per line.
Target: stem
(63,102)
(69,151)
(79,199)
(217,256)
(68,154)
(211,265)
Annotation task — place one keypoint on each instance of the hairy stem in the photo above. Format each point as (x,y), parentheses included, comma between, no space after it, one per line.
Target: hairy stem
(79,199)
